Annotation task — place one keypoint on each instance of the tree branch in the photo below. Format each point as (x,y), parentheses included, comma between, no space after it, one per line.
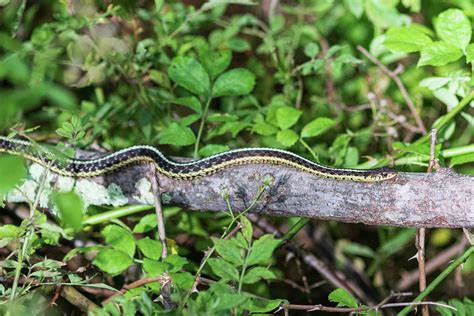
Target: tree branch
(441,199)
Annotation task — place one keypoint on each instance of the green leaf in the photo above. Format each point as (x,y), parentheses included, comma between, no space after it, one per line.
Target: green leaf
(146,223)
(190,74)
(311,50)
(119,238)
(355,6)
(397,242)
(406,39)
(70,207)
(357,249)
(112,261)
(247,229)
(317,127)
(262,249)
(470,53)
(439,54)
(223,269)
(453,27)
(220,117)
(287,116)
(150,248)
(12,172)
(10,231)
(177,135)
(154,267)
(259,305)
(212,149)
(287,137)
(228,251)
(462,159)
(342,298)
(215,61)
(256,274)
(234,82)
(265,129)
(191,102)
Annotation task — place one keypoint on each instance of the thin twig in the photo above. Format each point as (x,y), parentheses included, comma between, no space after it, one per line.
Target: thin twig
(162,279)
(441,259)
(394,75)
(159,213)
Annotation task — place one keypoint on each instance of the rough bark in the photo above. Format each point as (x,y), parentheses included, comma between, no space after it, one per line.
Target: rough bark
(442,199)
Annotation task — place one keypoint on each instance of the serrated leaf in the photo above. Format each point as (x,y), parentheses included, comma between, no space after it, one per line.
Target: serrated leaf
(215,61)
(287,116)
(262,249)
(439,54)
(177,135)
(150,248)
(406,39)
(256,274)
(70,208)
(119,238)
(453,27)
(223,269)
(190,74)
(342,298)
(228,250)
(317,127)
(287,137)
(112,261)
(234,82)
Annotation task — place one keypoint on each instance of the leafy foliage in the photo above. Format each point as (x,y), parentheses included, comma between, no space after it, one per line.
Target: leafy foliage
(201,80)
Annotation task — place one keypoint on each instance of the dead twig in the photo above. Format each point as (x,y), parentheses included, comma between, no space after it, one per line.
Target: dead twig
(394,75)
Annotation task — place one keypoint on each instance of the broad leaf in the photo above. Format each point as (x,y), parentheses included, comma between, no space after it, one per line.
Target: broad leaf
(262,249)
(287,137)
(177,135)
(112,261)
(150,248)
(190,74)
(317,127)
(228,250)
(287,116)
(234,82)
(70,207)
(342,298)
(453,27)
(119,238)
(256,274)
(12,172)
(406,39)
(223,269)
(439,54)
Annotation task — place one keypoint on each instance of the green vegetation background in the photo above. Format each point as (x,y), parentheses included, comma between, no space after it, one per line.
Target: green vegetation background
(197,79)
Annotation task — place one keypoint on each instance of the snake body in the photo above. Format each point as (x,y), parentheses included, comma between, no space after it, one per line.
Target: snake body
(83,168)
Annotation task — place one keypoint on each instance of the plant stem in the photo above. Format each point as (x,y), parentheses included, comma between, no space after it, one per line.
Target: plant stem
(439,279)
(117,213)
(305,144)
(201,126)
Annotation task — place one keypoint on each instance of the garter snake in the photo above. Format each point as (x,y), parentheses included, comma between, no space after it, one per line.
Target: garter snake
(82,168)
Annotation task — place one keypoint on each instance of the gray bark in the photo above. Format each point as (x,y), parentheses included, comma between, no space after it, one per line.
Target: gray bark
(442,199)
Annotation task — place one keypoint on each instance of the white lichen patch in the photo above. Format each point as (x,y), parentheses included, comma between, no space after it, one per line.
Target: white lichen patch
(145,192)
(116,196)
